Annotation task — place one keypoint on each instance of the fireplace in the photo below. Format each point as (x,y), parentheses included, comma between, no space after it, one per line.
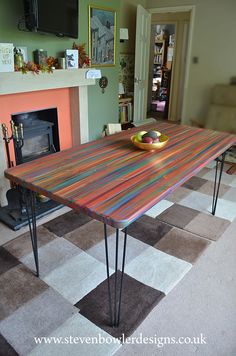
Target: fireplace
(40,134)
(34,135)
(66,90)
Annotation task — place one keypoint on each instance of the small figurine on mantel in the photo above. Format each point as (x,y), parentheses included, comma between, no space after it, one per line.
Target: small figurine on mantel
(18,58)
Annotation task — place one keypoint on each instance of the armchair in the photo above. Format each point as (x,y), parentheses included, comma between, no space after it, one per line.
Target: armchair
(221,115)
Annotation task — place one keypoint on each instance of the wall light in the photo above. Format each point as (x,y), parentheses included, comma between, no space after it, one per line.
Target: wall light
(121,90)
(124,34)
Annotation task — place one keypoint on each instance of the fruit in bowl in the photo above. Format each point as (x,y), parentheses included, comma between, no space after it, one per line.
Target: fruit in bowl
(153,134)
(149,140)
(148,136)
(140,134)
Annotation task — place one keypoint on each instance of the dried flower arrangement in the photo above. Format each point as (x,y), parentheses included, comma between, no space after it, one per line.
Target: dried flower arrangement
(84,60)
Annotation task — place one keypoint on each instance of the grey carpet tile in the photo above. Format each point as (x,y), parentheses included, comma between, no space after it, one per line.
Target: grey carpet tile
(39,317)
(178,195)
(138,300)
(5,348)
(7,260)
(226,209)
(148,230)
(230,194)
(194,183)
(22,246)
(52,255)
(88,235)
(203,171)
(74,328)
(208,188)
(158,269)
(197,201)
(182,244)
(208,226)
(134,248)
(17,286)
(178,215)
(76,277)
(67,223)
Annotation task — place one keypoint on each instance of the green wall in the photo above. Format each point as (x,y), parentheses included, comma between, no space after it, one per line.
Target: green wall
(103,108)
(128,9)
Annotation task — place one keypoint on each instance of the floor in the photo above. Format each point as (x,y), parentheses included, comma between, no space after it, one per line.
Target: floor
(7,234)
(203,303)
(158,105)
(158,115)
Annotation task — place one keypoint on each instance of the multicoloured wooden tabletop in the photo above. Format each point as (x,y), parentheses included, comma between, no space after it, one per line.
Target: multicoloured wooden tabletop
(113,181)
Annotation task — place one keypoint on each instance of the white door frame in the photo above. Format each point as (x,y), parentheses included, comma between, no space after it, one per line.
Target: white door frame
(191,9)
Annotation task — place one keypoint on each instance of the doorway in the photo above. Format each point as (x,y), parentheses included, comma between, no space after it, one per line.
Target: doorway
(183,17)
(167,65)
(162,50)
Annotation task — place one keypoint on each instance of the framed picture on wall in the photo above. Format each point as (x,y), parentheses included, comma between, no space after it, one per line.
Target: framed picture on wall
(102,36)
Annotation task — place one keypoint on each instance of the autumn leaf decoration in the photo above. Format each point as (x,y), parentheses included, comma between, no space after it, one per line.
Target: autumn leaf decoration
(52,63)
(84,60)
(37,68)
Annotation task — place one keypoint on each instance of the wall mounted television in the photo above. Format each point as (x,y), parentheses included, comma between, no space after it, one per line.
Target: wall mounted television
(59,17)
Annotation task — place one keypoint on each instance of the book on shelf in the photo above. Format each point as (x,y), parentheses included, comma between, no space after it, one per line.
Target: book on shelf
(123,114)
(130,112)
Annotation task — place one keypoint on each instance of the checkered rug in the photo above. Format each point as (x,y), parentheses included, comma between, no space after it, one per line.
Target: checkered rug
(70,297)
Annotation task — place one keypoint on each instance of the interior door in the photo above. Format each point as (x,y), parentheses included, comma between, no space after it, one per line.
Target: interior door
(142,45)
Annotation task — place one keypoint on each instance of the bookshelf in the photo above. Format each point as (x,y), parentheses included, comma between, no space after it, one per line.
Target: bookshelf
(125,110)
(159,57)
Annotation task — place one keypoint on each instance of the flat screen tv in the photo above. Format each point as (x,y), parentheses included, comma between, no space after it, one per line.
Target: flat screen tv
(59,17)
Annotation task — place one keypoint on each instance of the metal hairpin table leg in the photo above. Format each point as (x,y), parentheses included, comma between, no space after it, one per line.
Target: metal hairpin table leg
(115,312)
(217,184)
(30,201)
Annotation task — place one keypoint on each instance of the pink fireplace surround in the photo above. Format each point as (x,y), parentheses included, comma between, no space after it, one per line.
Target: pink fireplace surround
(64,90)
(45,99)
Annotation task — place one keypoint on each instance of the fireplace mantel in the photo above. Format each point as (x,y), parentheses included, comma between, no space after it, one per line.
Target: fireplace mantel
(16,82)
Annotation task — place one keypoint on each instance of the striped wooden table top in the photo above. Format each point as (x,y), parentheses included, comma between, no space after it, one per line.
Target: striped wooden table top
(113,181)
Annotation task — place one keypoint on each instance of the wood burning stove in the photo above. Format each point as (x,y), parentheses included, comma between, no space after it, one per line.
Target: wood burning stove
(34,134)
(36,141)
(38,134)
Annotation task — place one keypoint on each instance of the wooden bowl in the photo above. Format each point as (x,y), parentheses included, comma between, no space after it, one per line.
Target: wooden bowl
(150,146)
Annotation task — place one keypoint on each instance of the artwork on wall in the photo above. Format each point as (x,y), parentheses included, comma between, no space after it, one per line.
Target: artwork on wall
(102,36)
(126,71)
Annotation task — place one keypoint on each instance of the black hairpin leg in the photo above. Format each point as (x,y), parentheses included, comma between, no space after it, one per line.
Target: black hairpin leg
(108,274)
(217,184)
(30,200)
(116,310)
